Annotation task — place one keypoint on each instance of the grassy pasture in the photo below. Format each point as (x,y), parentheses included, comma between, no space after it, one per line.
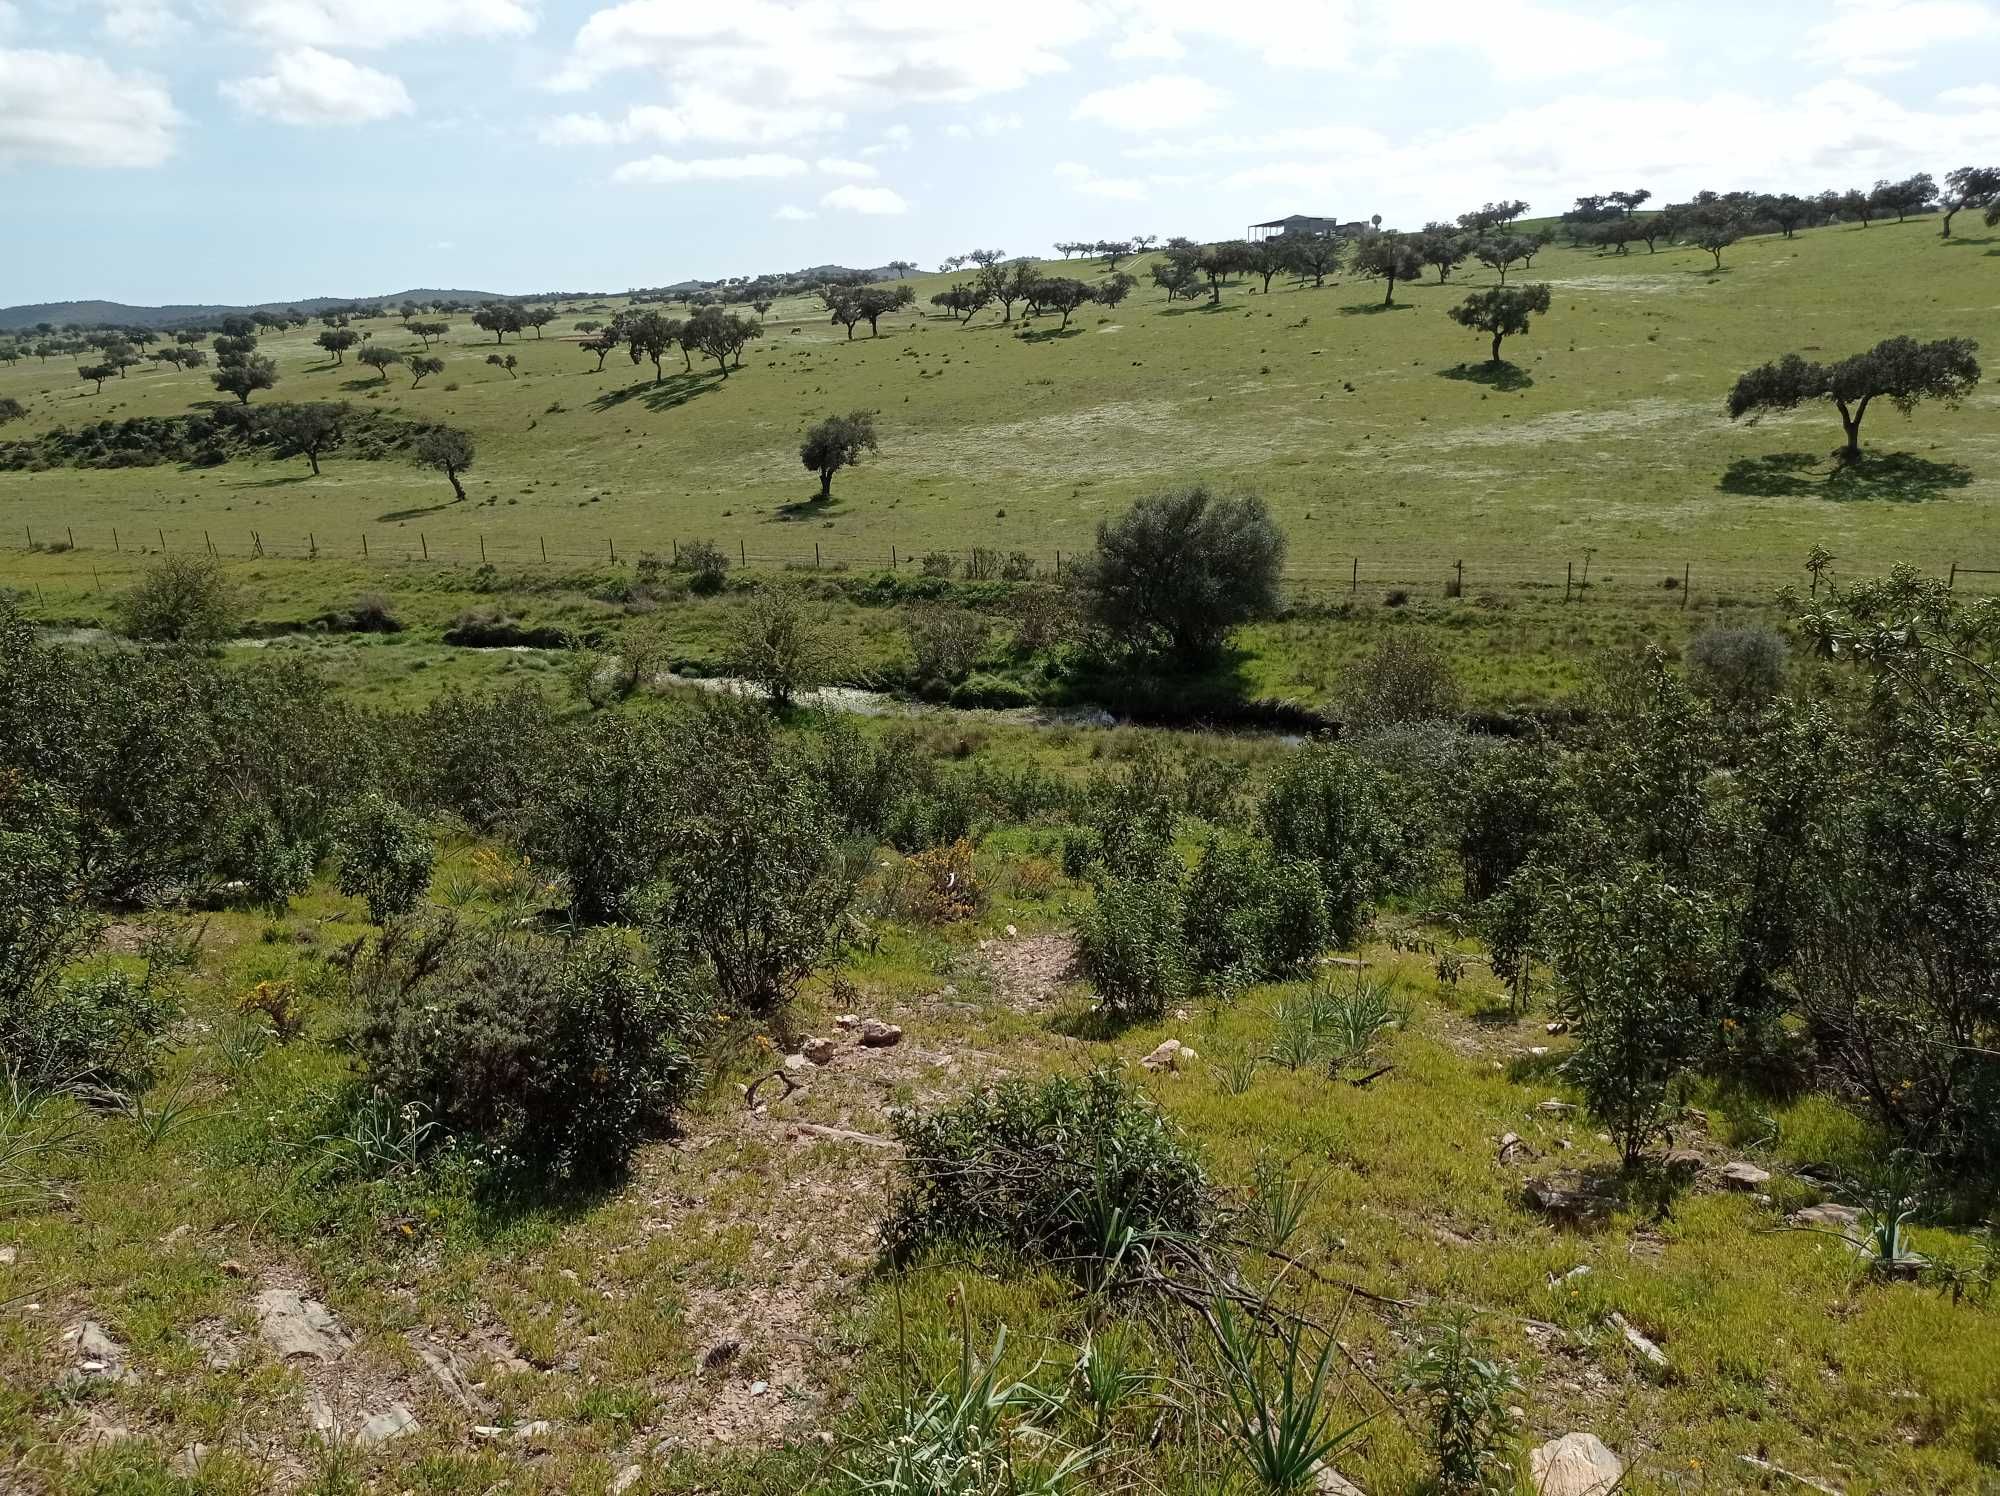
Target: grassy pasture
(1376,433)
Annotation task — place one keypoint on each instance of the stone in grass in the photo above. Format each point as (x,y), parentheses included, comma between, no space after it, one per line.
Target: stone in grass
(875,1034)
(625,1479)
(819,1051)
(1575,1465)
(1740,1175)
(293,1326)
(1648,1351)
(1828,1217)
(391,1423)
(1170,1054)
(99,1358)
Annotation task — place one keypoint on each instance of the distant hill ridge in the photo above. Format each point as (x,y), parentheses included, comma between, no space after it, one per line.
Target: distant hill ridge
(122,314)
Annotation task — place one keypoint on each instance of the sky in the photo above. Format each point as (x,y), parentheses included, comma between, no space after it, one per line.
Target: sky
(249,150)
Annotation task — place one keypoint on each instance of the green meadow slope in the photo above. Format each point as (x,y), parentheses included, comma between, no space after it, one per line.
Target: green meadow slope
(1375,433)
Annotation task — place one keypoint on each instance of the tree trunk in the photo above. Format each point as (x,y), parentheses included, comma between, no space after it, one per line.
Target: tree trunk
(826,483)
(1389,296)
(456,486)
(1851,425)
(1496,347)
(1949,214)
(313,458)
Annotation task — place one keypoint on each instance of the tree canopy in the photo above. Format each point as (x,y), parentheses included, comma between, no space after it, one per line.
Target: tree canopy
(1501,312)
(447,450)
(835,443)
(1900,370)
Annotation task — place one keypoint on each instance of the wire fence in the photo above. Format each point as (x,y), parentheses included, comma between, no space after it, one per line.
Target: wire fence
(1380,577)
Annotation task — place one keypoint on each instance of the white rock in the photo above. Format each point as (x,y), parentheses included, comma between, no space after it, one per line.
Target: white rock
(296,1326)
(847,1021)
(6,1256)
(1646,1349)
(1012,931)
(392,1423)
(796,1062)
(1554,1108)
(758,1389)
(1329,1482)
(520,1432)
(1744,1176)
(319,1412)
(625,1479)
(1827,1217)
(1575,1465)
(819,1051)
(99,1358)
(875,1034)
(1165,1056)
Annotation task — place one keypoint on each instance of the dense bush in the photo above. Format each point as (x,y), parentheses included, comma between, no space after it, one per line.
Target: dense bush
(1738,669)
(181,599)
(945,643)
(706,565)
(778,642)
(553,1059)
(473,756)
(1059,1172)
(602,813)
(382,855)
(1322,807)
(1177,571)
(754,867)
(1404,679)
(1252,916)
(1131,946)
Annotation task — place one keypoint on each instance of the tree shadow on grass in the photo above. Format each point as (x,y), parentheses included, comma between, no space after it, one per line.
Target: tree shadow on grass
(282,482)
(1051,334)
(812,506)
(1501,376)
(1893,477)
(401,514)
(667,394)
(1371,308)
(1206,308)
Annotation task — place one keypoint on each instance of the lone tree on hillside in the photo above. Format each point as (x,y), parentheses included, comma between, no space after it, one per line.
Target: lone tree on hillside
(1315,255)
(1900,370)
(422,366)
(337,340)
(875,302)
(508,363)
(1501,312)
(498,318)
(1177,571)
(1508,249)
(835,443)
(380,359)
(1062,293)
(1916,194)
(97,373)
(243,376)
(1388,257)
(428,330)
(648,335)
(1968,187)
(601,344)
(446,450)
(307,430)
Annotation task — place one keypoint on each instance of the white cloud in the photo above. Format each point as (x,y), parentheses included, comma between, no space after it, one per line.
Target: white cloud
(700,115)
(874,201)
(1169,101)
(371,23)
(1884,36)
(140,23)
(1080,178)
(855,53)
(1149,43)
(1978,96)
(9,17)
(793,213)
(834,166)
(309,87)
(69,110)
(659,171)
(1835,134)
(986,126)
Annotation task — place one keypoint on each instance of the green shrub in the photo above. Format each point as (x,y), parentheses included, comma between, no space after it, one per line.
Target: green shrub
(1072,1172)
(945,643)
(602,812)
(547,1060)
(1132,947)
(1739,670)
(754,866)
(1463,1390)
(1403,679)
(382,855)
(477,757)
(181,600)
(778,642)
(1177,571)
(1251,916)
(706,564)
(1322,807)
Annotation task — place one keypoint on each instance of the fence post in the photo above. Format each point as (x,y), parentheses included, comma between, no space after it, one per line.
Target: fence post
(1459,580)
(163,539)
(1569,571)
(677,550)
(1687,570)
(364,545)
(70,530)
(545,546)
(892,558)
(1951,582)
(742,555)
(614,550)
(482,550)
(1058,566)
(815,555)
(207,544)
(425,544)
(312,546)
(1354,582)
(31,535)
(114,539)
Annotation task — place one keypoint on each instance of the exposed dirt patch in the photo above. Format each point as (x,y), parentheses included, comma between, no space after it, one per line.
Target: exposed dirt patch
(1030,971)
